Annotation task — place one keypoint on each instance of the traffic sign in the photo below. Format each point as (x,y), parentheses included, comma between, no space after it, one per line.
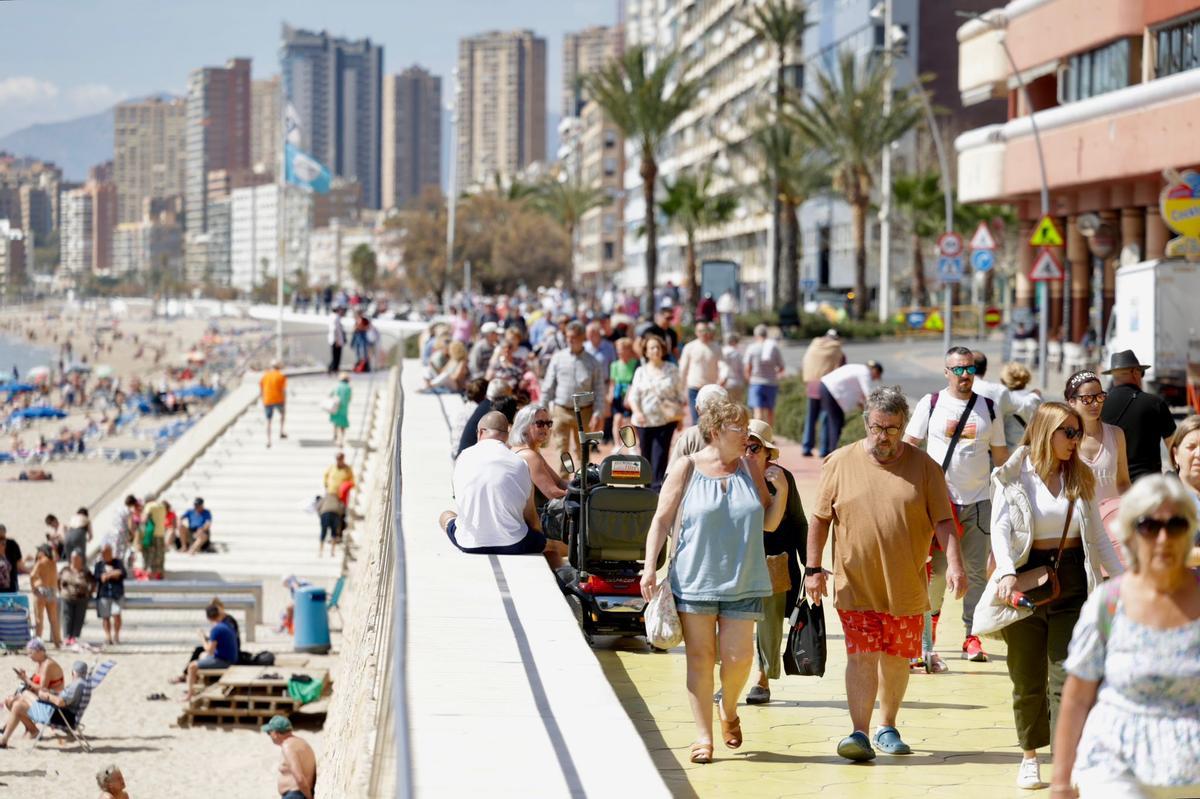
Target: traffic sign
(982,260)
(992,317)
(950,245)
(915,319)
(934,322)
(808,284)
(982,240)
(1046,266)
(950,270)
(1047,234)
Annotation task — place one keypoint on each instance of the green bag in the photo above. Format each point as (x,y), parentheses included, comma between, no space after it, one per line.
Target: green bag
(306,692)
(148,534)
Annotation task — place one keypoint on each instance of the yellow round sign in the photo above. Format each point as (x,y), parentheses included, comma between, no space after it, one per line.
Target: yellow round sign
(1179,204)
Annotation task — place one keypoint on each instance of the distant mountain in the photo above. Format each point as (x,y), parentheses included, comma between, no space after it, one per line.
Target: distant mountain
(75,144)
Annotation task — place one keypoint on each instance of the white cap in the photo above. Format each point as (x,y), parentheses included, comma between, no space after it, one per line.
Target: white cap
(488,327)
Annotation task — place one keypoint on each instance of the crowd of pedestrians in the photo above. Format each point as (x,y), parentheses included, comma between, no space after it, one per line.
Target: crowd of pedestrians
(1028,511)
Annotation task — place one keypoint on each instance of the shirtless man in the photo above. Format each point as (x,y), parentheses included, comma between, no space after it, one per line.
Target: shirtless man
(112,783)
(298,770)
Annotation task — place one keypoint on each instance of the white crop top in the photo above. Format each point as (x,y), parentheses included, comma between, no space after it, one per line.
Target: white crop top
(1049,511)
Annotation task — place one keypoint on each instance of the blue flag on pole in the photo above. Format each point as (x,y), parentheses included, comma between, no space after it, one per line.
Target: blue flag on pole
(301,169)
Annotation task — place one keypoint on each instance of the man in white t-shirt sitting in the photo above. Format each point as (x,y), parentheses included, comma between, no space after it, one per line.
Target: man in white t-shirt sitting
(494,494)
(843,391)
(968,473)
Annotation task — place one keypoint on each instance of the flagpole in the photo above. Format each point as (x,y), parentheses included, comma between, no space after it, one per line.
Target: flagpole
(280,219)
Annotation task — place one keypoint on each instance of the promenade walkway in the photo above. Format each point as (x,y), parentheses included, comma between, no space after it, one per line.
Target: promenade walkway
(960,723)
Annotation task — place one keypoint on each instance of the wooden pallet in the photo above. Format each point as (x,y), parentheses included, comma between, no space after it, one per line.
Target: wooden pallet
(250,695)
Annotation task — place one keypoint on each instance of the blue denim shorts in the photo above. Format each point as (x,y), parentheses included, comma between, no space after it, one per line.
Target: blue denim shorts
(763,395)
(748,609)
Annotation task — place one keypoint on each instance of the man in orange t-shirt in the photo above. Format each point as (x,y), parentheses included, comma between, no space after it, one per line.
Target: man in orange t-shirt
(273,388)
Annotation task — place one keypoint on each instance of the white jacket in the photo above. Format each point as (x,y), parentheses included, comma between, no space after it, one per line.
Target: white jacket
(1012,523)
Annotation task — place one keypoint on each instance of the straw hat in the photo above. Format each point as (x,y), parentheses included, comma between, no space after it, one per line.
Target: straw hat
(766,436)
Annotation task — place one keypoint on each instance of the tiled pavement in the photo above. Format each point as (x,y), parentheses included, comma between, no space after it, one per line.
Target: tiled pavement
(960,724)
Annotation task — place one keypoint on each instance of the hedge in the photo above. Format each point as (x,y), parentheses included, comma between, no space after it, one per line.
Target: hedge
(792,407)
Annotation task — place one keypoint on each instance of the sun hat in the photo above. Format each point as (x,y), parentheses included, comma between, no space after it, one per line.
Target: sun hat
(766,436)
(277,724)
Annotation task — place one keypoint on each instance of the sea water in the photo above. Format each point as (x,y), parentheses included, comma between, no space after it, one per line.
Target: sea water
(25,356)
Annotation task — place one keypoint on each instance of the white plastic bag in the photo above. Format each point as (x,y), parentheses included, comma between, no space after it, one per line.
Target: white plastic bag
(331,404)
(663,630)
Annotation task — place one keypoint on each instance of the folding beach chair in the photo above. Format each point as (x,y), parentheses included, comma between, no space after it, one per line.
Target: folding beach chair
(59,722)
(335,597)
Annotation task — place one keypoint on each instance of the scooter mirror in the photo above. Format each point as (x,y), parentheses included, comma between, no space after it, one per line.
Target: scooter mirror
(568,463)
(628,436)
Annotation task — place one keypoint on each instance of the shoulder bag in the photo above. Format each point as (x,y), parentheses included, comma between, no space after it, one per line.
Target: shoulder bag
(1040,584)
(663,628)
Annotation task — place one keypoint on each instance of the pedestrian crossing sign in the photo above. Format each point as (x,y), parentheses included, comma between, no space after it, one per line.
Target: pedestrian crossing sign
(1047,234)
(1046,267)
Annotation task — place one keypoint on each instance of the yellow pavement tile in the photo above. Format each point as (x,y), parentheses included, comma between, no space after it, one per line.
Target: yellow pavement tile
(960,725)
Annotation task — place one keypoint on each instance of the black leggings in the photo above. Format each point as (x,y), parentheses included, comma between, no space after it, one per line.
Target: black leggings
(656,447)
(331,525)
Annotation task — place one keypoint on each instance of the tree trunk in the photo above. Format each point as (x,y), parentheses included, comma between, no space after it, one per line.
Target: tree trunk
(919,290)
(571,259)
(689,278)
(649,175)
(791,272)
(777,205)
(858,228)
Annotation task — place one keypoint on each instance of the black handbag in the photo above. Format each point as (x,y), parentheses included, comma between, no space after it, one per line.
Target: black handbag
(806,650)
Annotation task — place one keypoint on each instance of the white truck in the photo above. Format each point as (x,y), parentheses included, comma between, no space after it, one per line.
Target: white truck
(1156,313)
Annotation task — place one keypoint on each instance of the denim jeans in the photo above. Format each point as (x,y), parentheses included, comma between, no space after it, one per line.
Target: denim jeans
(835,420)
(810,425)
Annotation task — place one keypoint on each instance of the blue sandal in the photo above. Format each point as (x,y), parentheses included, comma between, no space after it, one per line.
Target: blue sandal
(887,740)
(856,747)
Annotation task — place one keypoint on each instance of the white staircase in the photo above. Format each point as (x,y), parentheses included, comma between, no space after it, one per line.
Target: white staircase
(259,497)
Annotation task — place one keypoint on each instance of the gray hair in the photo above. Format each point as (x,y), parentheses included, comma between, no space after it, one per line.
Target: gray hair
(1142,500)
(80,668)
(499,389)
(760,330)
(518,434)
(886,399)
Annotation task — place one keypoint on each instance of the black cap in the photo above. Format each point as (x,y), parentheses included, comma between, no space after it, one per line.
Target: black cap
(197,501)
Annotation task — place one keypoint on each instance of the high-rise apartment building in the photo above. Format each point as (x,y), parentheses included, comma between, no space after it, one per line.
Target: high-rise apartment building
(104,215)
(218,137)
(585,52)
(148,153)
(12,258)
(254,233)
(501,106)
(336,87)
(412,135)
(76,231)
(266,133)
(152,244)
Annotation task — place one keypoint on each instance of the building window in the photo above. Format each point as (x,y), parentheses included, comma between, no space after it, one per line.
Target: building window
(1178,48)
(610,139)
(1098,71)
(609,251)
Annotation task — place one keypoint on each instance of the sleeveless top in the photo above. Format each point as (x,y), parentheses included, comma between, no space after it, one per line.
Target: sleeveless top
(539,499)
(719,556)
(1104,465)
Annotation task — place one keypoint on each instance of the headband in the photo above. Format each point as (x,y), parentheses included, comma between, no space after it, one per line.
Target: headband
(1080,378)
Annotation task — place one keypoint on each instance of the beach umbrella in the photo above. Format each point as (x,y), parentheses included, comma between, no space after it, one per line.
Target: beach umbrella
(39,413)
(104,370)
(197,392)
(38,373)
(17,388)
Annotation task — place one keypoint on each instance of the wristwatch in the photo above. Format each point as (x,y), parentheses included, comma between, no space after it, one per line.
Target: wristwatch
(809,571)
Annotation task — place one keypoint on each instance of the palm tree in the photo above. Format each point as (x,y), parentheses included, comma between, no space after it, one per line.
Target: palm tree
(691,204)
(567,201)
(644,101)
(845,118)
(919,197)
(781,23)
(795,171)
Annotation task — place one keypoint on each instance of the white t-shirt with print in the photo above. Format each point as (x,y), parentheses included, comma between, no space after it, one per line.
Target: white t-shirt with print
(971,465)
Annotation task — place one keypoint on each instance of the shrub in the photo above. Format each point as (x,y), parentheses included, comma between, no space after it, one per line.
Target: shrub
(791,410)
(812,325)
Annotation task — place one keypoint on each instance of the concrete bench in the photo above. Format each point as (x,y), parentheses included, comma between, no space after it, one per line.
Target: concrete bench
(210,588)
(247,604)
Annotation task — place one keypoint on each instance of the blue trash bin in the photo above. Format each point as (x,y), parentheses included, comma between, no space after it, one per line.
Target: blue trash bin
(311,621)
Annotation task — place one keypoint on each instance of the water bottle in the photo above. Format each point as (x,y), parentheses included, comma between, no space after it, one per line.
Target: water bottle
(1018,600)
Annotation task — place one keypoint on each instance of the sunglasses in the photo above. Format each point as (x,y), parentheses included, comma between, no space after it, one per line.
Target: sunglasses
(1090,399)
(962,370)
(754,449)
(543,423)
(1071,433)
(1150,527)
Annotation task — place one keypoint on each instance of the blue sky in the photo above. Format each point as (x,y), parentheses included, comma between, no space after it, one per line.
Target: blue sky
(65,58)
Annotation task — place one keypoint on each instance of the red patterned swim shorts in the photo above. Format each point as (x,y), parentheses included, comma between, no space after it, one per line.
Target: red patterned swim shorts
(873,631)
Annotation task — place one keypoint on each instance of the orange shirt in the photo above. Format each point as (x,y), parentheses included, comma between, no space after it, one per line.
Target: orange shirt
(273,385)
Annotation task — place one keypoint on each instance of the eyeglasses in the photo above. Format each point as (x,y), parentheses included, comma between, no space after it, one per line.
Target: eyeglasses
(754,448)
(877,430)
(1090,399)
(1071,433)
(501,431)
(732,428)
(1150,527)
(543,423)
(962,370)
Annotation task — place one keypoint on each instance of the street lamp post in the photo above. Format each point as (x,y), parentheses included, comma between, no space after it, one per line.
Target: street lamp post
(885,177)
(452,189)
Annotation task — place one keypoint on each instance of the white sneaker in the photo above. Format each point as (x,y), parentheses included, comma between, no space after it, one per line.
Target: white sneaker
(1030,775)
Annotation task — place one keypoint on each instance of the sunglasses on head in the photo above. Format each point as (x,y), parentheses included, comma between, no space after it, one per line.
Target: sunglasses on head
(962,370)
(543,423)
(1091,399)
(1150,527)
(1071,433)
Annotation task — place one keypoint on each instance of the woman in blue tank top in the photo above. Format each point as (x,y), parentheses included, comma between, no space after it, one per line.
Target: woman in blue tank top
(719,572)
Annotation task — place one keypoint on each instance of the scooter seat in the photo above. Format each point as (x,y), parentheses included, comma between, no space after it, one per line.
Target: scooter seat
(618,522)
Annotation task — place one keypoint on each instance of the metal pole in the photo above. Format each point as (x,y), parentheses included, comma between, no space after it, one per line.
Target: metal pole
(1043,289)
(885,207)
(939,147)
(452,190)
(280,223)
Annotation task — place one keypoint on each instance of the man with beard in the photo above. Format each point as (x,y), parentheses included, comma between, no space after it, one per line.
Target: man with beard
(885,496)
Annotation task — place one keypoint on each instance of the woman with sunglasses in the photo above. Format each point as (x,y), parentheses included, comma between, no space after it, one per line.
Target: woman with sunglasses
(1103,445)
(1130,722)
(530,432)
(1044,502)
